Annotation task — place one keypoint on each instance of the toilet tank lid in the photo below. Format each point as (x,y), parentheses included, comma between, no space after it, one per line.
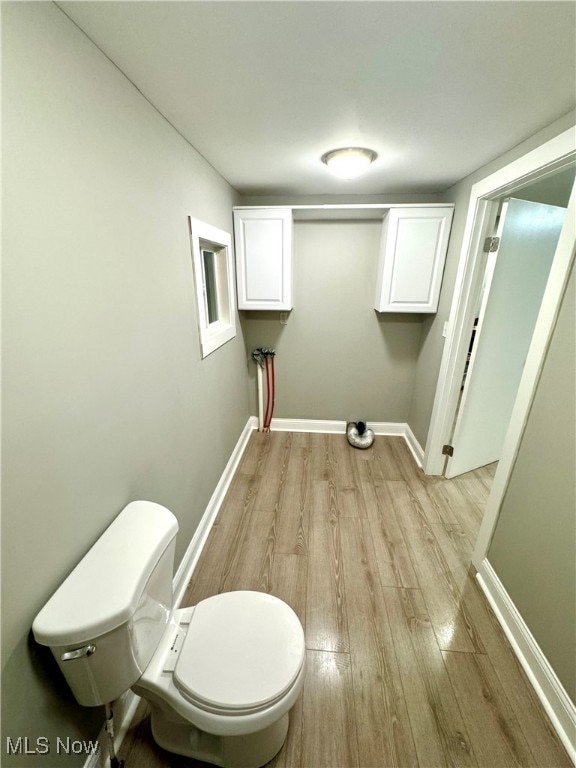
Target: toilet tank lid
(104,589)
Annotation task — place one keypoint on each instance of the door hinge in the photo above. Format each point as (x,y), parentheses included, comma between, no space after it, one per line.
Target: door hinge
(491,244)
(447,450)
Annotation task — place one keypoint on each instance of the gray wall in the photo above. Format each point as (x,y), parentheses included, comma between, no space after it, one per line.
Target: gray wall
(337,358)
(106,398)
(551,190)
(534,548)
(104,388)
(432,341)
(418,367)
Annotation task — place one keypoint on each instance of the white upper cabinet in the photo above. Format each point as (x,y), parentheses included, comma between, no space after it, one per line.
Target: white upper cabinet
(263,238)
(412,256)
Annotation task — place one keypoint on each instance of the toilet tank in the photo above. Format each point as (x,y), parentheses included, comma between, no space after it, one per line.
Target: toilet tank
(105,621)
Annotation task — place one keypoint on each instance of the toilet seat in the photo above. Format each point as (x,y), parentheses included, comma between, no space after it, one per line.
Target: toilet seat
(243,652)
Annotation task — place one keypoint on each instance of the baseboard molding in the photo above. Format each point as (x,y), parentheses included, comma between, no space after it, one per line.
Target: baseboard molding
(327,427)
(322,426)
(192,554)
(415,447)
(558,705)
(390,428)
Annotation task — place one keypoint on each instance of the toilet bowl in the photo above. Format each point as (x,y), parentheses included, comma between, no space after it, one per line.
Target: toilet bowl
(231,667)
(220,677)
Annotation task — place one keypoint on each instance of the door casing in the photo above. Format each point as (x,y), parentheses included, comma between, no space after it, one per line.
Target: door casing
(528,233)
(481,215)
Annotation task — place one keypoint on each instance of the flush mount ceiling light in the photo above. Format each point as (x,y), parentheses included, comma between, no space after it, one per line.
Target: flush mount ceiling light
(349,162)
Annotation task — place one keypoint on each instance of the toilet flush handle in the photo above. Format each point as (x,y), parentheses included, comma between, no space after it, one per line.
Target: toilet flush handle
(79,653)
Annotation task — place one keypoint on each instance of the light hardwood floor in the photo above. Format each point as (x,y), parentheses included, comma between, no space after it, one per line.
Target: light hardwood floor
(406,664)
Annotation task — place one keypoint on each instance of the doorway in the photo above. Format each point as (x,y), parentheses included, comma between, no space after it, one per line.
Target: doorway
(538,165)
(518,262)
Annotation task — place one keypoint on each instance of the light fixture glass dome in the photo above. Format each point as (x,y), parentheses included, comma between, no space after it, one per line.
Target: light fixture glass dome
(349,162)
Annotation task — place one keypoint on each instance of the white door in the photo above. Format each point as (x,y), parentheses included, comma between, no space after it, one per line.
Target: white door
(515,284)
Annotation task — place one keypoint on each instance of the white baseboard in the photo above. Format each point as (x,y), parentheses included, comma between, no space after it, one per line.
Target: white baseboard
(389,428)
(558,705)
(415,447)
(192,554)
(322,426)
(326,426)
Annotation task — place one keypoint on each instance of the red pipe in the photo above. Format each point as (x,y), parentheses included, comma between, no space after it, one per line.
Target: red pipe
(273,393)
(268,393)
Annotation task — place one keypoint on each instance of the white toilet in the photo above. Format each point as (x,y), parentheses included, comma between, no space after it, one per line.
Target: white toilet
(220,677)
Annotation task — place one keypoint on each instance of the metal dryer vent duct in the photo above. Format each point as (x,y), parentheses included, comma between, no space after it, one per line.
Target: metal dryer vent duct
(358,435)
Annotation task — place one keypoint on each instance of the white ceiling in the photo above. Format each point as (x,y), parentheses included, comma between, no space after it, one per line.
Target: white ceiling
(263,89)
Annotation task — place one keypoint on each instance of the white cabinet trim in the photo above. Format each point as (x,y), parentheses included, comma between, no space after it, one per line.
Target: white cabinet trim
(278,273)
(264,272)
(412,256)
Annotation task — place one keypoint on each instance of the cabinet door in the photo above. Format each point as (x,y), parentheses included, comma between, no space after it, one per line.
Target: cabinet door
(264,258)
(412,256)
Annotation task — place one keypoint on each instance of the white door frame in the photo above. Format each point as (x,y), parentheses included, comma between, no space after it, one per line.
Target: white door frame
(531,248)
(545,324)
(479,224)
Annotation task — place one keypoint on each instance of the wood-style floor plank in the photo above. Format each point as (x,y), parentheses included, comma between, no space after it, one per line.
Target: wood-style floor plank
(486,710)
(208,574)
(252,568)
(322,462)
(384,737)
(385,456)
(537,729)
(236,515)
(274,476)
(254,458)
(452,625)
(329,737)
(294,502)
(301,439)
(439,732)
(407,664)
(486,474)
(435,509)
(393,557)
(326,627)
(456,548)
(289,577)
(409,470)
(347,479)
(473,487)
(459,507)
